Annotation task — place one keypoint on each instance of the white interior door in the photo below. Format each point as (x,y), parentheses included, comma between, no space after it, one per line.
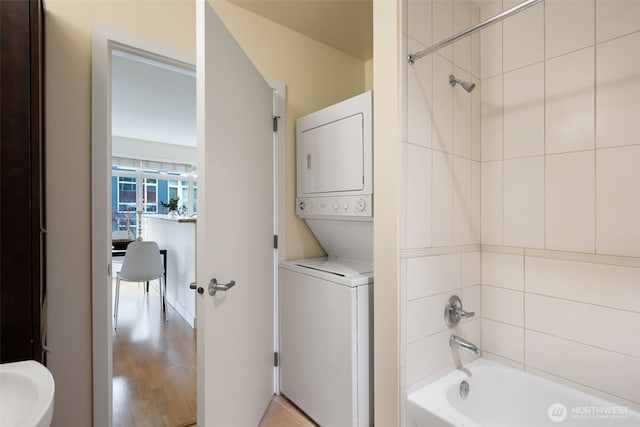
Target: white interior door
(235,229)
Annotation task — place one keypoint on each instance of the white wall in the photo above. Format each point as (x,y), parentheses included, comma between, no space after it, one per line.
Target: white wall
(529,186)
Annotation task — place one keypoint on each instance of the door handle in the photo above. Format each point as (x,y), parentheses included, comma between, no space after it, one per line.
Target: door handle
(214,286)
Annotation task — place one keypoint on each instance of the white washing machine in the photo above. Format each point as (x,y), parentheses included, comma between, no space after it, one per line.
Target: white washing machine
(325,339)
(325,304)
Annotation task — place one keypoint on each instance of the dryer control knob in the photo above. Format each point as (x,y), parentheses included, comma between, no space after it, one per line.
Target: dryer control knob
(334,205)
(301,205)
(346,205)
(360,205)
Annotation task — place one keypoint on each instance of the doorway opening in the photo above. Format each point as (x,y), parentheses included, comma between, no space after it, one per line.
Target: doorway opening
(153,168)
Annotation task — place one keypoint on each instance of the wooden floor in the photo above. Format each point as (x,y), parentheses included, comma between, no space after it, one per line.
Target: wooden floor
(154,369)
(154,363)
(282,413)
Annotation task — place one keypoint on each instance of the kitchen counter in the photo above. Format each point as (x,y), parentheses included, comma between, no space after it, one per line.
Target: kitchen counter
(178,236)
(178,219)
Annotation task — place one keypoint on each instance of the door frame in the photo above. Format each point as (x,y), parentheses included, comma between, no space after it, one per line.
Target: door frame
(103,40)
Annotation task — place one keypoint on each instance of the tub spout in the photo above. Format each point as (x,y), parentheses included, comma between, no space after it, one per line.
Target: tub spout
(456,341)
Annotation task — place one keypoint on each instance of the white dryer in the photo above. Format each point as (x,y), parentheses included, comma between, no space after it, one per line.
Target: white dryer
(325,304)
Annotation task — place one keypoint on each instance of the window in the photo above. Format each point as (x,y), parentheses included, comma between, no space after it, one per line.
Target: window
(145,189)
(150,195)
(126,194)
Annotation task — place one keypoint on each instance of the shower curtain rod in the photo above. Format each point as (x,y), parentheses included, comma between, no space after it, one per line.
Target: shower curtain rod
(497,18)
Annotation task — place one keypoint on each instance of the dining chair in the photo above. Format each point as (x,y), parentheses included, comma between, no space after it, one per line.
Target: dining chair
(142,263)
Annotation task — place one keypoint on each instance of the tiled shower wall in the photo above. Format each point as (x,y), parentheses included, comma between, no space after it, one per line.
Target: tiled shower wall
(560,184)
(440,243)
(529,185)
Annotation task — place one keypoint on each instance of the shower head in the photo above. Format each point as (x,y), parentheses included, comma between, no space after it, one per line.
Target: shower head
(466,85)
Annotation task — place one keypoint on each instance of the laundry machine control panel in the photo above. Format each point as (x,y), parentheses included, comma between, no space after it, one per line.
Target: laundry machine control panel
(352,206)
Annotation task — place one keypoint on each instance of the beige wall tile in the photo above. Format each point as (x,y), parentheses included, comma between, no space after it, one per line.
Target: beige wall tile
(491,118)
(524,202)
(491,51)
(602,284)
(618,92)
(502,270)
(503,340)
(476,195)
(442,200)
(425,316)
(491,205)
(524,112)
(432,275)
(475,42)
(561,38)
(419,99)
(590,324)
(418,196)
(601,369)
(503,305)
(472,302)
(427,356)
(476,124)
(462,207)
(462,116)
(443,25)
(618,201)
(442,139)
(570,201)
(523,37)
(471,269)
(419,21)
(569,102)
(616,17)
(462,21)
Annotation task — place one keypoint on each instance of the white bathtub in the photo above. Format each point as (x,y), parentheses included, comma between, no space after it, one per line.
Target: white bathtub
(500,396)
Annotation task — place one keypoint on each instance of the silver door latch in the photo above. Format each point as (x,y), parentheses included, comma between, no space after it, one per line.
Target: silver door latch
(215,287)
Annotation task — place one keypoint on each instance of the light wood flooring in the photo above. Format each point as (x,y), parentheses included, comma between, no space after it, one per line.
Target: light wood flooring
(154,363)
(282,413)
(154,369)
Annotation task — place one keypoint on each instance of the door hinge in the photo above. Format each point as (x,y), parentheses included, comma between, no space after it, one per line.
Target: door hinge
(275,123)
(276,359)
(275,241)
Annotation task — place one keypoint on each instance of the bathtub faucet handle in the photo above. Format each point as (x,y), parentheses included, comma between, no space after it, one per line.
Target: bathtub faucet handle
(453,312)
(466,314)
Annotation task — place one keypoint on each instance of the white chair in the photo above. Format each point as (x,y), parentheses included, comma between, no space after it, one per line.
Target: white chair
(142,262)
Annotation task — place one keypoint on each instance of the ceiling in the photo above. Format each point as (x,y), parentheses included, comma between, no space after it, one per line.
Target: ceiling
(346,25)
(152,101)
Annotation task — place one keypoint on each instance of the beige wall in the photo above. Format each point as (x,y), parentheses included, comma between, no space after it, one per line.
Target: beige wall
(386,151)
(316,76)
(368,74)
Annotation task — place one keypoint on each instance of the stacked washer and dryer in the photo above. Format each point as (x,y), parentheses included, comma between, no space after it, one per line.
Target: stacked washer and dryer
(325,304)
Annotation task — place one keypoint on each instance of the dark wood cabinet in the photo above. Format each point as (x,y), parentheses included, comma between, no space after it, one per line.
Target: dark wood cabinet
(22,216)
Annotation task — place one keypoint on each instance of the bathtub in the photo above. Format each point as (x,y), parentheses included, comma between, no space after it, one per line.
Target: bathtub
(500,396)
